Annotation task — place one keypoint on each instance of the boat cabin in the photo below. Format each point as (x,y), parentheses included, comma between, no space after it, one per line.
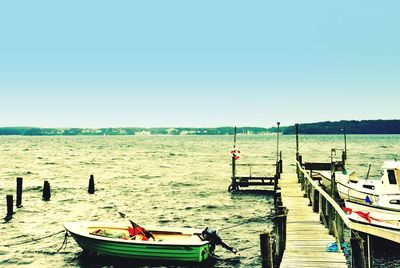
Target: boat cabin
(391,175)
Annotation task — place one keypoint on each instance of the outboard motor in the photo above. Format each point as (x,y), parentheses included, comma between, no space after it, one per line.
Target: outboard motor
(211,235)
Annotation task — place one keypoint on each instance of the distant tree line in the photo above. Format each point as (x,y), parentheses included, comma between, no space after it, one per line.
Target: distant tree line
(33,131)
(351,127)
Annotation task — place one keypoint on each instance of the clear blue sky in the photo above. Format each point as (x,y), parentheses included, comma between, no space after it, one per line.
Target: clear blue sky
(197,63)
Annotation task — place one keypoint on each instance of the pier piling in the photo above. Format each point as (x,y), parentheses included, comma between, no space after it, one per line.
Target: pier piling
(357,252)
(91,185)
(266,250)
(19,192)
(46,191)
(10,211)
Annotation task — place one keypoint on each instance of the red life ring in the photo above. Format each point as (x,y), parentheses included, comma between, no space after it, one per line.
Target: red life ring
(235,153)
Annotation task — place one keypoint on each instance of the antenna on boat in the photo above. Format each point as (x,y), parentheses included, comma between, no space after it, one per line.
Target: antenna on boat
(345,145)
(369,169)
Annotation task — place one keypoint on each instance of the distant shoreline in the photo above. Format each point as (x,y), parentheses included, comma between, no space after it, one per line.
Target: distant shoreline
(319,128)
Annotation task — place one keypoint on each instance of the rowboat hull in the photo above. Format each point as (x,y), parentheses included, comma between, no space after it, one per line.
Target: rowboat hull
(183,246)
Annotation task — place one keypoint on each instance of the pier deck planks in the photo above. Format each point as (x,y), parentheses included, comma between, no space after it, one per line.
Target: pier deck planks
(306,237)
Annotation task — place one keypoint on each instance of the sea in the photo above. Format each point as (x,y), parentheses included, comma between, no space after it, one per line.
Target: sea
(178,181)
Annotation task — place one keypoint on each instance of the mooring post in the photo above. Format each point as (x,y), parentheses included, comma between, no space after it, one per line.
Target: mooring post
(19,192)
(277,200)
(266,250)
(357,251)
(10,210)
(91,185)
(46,191)
(281,219)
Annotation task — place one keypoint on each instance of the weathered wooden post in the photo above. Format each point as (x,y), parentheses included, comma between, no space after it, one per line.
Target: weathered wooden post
(19,192)
(91,185)
(357,251)
(281,219)
(315,201)
(46,191)
(280,163)
(10,211)
(277,200)
(266,250)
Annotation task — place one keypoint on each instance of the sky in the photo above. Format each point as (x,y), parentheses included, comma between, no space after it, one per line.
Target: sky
(197,63)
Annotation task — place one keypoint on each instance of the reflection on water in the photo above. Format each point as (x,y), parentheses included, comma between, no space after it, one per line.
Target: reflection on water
(157,180)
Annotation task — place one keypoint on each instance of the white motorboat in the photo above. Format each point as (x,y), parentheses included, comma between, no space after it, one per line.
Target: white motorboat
(383,193)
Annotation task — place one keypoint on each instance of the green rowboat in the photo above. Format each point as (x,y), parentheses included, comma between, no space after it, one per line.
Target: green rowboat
(112,239)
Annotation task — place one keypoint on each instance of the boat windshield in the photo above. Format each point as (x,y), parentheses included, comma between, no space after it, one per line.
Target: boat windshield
(391,176)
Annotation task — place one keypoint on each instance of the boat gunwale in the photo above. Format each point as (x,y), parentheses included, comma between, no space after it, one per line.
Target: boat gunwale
(82,233)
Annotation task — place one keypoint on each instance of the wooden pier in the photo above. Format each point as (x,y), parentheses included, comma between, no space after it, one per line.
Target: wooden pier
(306,238)
(251,179)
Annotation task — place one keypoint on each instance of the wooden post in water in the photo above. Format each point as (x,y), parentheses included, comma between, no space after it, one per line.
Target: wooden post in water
(266,250)
(19,192)
(281,219)
(280,163)
(357,251)
(10,211)
(46,191)
(91,185)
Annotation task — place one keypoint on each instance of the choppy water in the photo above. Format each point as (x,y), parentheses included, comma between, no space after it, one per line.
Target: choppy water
(156,180)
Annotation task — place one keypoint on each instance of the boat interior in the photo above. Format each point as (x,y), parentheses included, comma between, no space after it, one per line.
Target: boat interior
(159,235)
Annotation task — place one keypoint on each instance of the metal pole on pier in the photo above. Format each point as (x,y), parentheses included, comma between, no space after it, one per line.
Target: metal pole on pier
(233,155)
(344,157)
(297,142)
(277,142)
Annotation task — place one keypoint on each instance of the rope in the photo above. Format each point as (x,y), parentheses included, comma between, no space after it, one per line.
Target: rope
(65,242)
(34,240)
